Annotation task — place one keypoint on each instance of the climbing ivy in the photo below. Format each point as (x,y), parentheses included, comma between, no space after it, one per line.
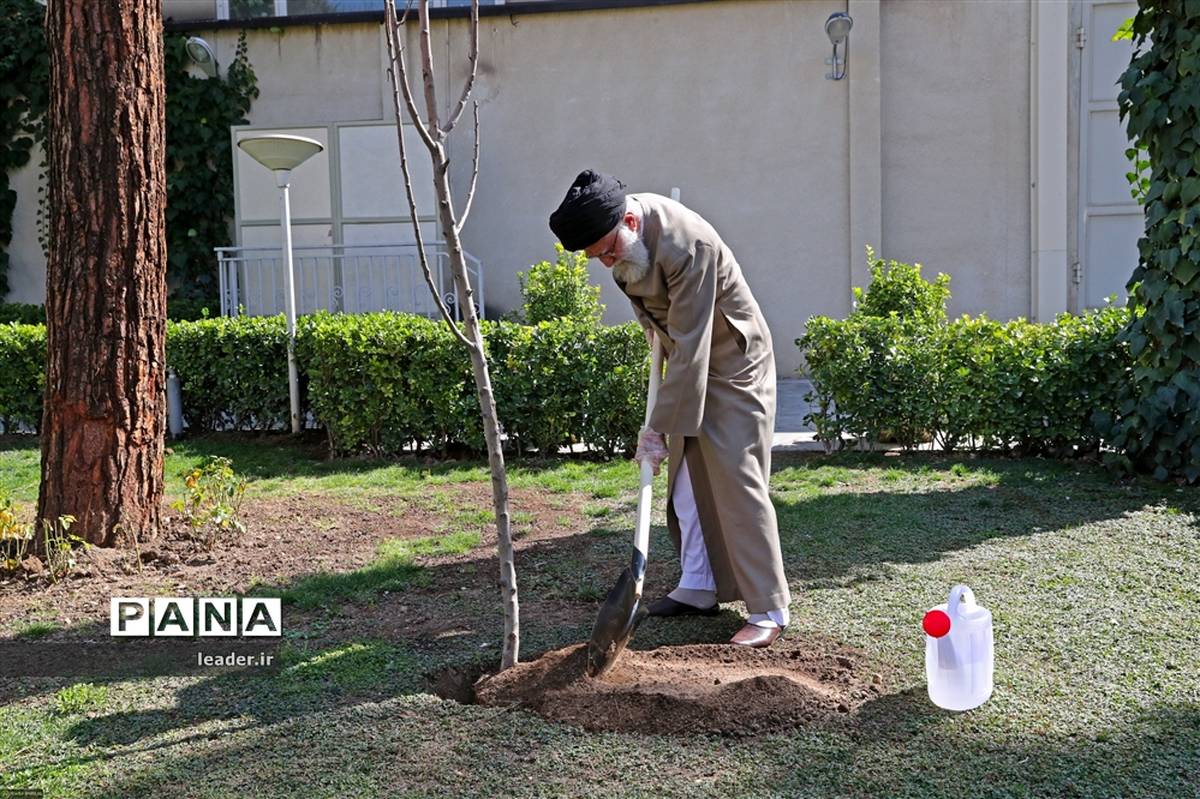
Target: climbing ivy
(200,164)
(24,93)
(1156,426)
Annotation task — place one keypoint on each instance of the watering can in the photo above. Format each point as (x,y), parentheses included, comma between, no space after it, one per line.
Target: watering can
(958,651)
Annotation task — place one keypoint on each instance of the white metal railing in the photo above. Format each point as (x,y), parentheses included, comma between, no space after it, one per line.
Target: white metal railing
(350,278)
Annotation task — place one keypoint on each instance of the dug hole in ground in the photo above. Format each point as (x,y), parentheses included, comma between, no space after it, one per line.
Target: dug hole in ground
(720,689)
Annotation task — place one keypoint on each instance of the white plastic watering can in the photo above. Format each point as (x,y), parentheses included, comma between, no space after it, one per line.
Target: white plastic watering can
(958,651)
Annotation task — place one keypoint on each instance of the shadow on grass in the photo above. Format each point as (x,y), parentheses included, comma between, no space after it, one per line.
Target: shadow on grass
(270,455)
(419,750)
(16,442)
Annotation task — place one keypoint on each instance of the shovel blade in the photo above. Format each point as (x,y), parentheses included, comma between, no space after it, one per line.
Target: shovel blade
(615,623)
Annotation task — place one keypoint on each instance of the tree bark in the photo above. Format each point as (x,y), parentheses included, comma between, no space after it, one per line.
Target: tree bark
(104,406)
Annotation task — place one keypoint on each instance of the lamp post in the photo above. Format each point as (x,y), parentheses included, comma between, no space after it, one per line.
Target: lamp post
(281,154)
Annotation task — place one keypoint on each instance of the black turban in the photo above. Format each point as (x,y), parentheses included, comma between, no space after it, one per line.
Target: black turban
(593,206)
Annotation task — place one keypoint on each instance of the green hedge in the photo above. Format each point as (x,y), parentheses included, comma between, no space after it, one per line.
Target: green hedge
(22,375)
(908,376)
(384,382)
(233,372)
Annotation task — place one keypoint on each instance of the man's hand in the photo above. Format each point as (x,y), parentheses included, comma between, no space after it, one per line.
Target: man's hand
(649,336)
(651,446)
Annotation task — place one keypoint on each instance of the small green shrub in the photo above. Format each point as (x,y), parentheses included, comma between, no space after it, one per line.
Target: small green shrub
(898,289)
(554,290)
(1031,386)
(58,546)
(213,500)
(381,382)
(545,376)
(870,377)
(16,536)
(80,697)
(616,397)
(233,371)
(895,370)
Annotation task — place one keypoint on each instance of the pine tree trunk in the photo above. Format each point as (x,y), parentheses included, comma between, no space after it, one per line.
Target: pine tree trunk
(104,410)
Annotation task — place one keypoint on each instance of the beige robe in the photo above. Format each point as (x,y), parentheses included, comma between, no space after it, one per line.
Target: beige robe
(717,400)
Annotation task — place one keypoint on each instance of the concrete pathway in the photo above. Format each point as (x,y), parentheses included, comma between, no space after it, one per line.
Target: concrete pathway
(791,433)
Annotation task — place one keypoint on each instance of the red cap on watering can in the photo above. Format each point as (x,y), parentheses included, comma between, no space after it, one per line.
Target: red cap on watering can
(936,623)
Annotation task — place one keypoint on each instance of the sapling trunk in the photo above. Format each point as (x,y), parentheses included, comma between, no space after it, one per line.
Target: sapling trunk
(470,335)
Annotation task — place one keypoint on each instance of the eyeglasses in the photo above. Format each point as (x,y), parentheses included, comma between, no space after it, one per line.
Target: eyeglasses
(611,252)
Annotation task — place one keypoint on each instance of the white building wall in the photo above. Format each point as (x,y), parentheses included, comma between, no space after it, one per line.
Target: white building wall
(956,138)
(26,261)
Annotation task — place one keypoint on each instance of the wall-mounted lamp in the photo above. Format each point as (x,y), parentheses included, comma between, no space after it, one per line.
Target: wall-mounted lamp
(837,28)
(202,55)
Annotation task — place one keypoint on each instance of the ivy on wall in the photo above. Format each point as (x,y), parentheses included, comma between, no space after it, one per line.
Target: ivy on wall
(200,164)
(199,158)
(1156,426)
(24,93)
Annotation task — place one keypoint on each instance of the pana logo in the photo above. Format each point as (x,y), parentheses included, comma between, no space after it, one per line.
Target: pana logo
(188,616)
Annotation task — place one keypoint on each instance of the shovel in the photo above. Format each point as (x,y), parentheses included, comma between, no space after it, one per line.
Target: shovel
(622,612)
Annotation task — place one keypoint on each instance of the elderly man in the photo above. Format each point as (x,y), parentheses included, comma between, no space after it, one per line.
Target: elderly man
(717,400)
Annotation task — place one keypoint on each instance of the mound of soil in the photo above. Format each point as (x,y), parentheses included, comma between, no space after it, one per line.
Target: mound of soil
(695,689)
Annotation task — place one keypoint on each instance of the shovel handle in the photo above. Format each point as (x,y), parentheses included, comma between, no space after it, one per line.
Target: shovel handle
(641,535)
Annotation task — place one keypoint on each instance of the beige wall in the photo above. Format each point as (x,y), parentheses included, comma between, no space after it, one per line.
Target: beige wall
(669,97)
(955,122)
(728,102)
(310,73)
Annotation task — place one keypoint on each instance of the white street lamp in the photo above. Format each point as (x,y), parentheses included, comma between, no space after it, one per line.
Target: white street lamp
(202,55)
(837,28)
(281,154)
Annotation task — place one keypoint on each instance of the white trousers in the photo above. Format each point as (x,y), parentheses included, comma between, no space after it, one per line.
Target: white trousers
(693,555)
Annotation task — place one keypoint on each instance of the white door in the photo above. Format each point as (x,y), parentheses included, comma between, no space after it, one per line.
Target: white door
(1110,220)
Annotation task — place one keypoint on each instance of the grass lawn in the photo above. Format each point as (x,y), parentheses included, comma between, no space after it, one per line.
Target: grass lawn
(1094,588)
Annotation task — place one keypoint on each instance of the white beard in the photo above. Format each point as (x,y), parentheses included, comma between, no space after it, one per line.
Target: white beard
(635,262)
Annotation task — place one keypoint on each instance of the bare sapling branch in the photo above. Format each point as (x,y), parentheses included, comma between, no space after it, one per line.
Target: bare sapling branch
(396,53)
(431,110)
(466,211)
(470,82)
(398,74)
